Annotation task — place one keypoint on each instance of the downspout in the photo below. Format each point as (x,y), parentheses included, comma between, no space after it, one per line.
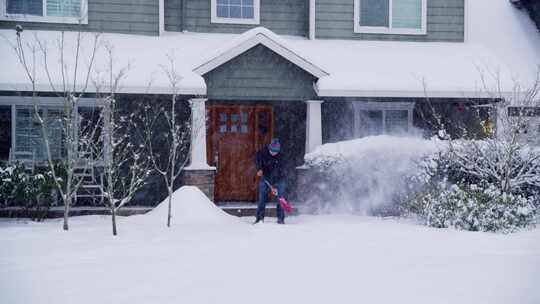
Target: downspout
(311,19)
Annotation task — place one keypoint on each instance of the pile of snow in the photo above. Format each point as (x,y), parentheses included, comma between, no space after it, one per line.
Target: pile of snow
(189,206)
(365,175)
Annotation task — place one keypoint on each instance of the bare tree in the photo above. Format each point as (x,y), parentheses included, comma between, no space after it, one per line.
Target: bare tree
(125,165)
(507,159)
(171,158)
(71,92)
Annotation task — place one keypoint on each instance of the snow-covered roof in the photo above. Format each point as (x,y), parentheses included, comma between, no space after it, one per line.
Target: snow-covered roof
(500,40)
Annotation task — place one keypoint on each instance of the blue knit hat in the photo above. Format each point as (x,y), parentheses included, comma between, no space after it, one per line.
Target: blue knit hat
(274,145)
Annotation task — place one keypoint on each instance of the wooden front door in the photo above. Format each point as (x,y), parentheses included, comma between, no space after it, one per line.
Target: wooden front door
(236,132)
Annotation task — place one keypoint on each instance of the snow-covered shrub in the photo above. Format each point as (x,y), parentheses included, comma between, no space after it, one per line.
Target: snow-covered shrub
(475,208)
(511,166)
(488,185)
(20,187)
(14,183)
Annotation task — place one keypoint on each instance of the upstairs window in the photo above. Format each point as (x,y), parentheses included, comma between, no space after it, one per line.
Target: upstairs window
(235,11)
(404,17)
(53,11)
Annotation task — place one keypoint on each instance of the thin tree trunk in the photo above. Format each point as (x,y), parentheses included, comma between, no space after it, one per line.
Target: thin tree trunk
(67,203)
(113,213)
(170,206)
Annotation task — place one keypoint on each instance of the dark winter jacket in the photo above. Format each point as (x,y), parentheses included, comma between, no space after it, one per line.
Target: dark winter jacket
(271,166)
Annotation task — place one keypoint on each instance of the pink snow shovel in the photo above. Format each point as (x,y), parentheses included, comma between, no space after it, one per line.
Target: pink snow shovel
(282,201)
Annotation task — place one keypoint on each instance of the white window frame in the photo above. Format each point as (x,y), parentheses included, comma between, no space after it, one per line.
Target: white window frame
(389,30)
(383,107)
(47,102)
(83,19)
(255,20)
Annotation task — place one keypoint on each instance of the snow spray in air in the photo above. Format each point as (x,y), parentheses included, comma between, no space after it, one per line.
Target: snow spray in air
(363,176)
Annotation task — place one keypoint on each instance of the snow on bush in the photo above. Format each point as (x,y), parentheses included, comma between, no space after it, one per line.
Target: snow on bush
(475,208)
(366,175)
(488,185)
(20,187)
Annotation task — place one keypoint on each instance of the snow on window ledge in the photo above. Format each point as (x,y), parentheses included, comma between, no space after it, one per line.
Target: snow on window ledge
(43,19)
(384,30)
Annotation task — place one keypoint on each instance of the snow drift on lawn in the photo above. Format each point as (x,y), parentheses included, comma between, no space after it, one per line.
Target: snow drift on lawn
(313,259)
(365,175)
(189,206)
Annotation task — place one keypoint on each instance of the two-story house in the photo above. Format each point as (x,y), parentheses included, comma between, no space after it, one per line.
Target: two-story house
(305,71)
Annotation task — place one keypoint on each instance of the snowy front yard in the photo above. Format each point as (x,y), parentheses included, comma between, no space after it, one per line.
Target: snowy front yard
(210,257)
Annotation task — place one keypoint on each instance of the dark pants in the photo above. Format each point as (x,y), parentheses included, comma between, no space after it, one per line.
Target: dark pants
(264,190)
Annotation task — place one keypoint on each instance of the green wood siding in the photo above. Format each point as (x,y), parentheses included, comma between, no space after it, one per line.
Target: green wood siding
(259,75)
(445,22)
(114,16)
(285,17)
(173,15)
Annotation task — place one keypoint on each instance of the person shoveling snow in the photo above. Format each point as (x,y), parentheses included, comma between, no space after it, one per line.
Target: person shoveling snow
(271,172)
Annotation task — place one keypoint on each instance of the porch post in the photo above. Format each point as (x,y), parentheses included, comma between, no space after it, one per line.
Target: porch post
(199,173)
(198,136)
(305,178)
(313,125)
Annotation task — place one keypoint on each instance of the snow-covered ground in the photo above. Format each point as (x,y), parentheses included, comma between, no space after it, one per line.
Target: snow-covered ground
(210,257)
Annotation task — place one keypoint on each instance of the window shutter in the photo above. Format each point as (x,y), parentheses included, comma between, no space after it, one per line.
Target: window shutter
(25,7)
(64,8)
(374,13)
(407,14)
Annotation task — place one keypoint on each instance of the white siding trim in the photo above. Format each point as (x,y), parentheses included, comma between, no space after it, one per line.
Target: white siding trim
(161,17)
(255,20)
(312,18)
(389,30)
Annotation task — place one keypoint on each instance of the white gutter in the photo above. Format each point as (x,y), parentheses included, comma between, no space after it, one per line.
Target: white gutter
(404,94)
(311,19)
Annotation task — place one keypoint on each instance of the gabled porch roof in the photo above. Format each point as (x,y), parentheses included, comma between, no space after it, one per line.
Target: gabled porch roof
(251,38)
